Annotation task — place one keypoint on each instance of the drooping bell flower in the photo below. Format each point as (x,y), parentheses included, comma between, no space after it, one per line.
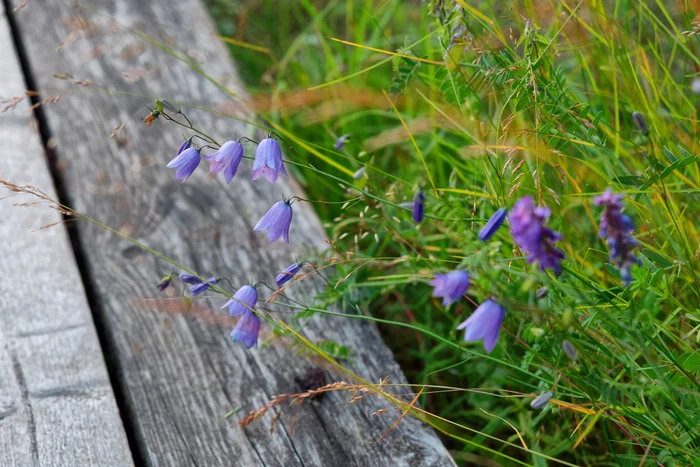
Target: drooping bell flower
(247,330)
(617,228)
(268,160)
(288,274)
(226,159)
(496,220)
(277,221)
(185,145)
(244,300)
(242,304)
(185,163)
(418,207)
(484,324)
(450,286)
(529,232)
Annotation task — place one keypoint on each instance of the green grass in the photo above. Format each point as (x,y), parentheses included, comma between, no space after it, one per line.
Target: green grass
(516,107)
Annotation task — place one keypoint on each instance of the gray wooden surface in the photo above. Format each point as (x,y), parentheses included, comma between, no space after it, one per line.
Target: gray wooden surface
(56,403)
(181,373)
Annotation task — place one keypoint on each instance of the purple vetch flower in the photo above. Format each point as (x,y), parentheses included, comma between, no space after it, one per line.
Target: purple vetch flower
(247,330)
(616,228)
(226,159)
(484,324)
(243,301)
(198,286)
(493,224)
(277,221)
(288,274)
(418,207)
(529,232)
(340,142)
(268,160)
(450,286)
(165,282)
(185,163)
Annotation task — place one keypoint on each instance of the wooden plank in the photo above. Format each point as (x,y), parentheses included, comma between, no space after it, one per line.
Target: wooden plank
(181,373)
(57,407)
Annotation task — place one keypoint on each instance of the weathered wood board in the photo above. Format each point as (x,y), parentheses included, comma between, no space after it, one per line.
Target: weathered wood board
(56,403)
(181,373)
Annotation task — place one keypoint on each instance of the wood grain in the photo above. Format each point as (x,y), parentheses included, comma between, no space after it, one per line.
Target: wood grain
(56,403)
(180,372)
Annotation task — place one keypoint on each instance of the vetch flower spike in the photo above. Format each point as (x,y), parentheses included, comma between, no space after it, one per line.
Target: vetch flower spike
(268,160)
(529,232)
(243,301)
(277,221)
(496,220)
(288,274)
(247,330)
(185,163)
(484,324)
(616,228)
(226,159)
(418,207)
(450,286)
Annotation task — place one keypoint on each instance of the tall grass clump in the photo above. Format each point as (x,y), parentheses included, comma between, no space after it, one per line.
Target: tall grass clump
(477,105)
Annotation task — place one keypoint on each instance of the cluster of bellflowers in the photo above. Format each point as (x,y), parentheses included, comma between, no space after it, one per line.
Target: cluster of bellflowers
(267,164)
(241,305)
(226,160)
(529,231)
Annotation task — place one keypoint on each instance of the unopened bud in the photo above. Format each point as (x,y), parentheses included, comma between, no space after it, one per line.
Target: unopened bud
(640,122)
(541,400)
(570,350)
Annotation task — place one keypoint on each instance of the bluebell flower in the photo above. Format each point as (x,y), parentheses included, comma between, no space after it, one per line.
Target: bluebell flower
(493,224)
(340,142)
(484,324)
(287,275)
(277,221)
(450,286)
(247,330)
(165,282)
(418,207)
(616,228)
(243,301)
(529,232)
(198,286)
(242,304)
(185,145)
(268,160)
(226,159)
(541,400)
(185,163)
